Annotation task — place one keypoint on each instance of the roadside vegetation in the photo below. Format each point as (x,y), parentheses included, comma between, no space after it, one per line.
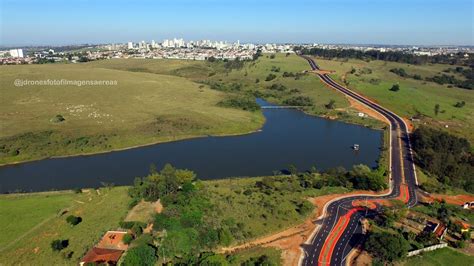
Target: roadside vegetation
(447,157)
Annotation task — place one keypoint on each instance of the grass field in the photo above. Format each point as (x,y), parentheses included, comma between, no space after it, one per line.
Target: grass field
(28,211)
(37,222)
(143,108)
(154,101)
(260,213)
(441,257)
(415,97)
(273,254)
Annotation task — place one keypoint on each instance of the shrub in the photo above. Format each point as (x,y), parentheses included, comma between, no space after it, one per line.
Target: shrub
(127,239)
(395,87)
(270,77)
(58,119)
(58,244)
(73,220)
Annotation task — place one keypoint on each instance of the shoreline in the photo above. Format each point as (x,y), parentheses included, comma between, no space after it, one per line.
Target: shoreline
(179,139)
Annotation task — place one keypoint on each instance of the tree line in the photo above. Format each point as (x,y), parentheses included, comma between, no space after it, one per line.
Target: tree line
(393,56)
(446,156)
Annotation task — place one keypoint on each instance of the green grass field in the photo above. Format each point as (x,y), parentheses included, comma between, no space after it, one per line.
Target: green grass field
(37,222)
(143,108)
(414,97)
(441,257)
(260,213)
(154,101)
(28,211)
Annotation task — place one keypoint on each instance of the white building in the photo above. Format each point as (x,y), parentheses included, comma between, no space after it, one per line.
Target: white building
(16,53)
(130,45)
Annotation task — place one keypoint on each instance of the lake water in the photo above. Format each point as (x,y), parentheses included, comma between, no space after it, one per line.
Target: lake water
(288,137)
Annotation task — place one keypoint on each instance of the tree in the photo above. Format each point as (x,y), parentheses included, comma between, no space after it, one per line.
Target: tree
(142,255)
(59,244)
(73,220)
(436,109)
(387,246)
(331,104)
(395,87)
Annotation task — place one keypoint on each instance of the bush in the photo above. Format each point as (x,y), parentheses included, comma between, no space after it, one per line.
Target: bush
(395,87)
(270,77)
(73,220)
(127,239)
(58,119)
(58,244)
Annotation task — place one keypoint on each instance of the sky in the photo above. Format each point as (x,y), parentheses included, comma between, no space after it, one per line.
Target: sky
(412,22)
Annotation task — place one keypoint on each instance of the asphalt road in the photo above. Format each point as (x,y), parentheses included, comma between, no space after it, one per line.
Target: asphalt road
(340,230)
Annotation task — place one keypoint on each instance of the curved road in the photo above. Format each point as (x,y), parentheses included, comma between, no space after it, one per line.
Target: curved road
(340,230)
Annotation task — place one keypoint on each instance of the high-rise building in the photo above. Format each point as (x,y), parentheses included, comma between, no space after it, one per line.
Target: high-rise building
(16,53)
(130,45)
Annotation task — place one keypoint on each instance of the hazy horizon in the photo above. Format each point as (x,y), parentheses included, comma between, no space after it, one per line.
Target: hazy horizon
(387,22)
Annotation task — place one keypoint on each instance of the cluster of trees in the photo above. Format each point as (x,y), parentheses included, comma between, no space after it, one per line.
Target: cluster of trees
(296,75)
(443,78)
(387,247)
(447,157)
(402,73)
(450,79)
(189,224)
(243,102)
(299,101)
(233,64)
(360,177)
(401,57)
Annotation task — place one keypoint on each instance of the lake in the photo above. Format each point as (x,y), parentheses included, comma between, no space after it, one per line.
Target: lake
(288,136)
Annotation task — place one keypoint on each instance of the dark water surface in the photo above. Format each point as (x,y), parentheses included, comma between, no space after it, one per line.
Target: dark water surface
(288,137)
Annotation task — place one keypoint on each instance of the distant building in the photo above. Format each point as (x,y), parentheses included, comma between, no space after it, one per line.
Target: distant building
(130,45)
(16,53)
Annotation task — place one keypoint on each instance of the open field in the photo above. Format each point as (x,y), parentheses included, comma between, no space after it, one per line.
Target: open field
(100,211)
(273,254)
(445,256)
(154,101)
(260,213)
(143,108)
(28,211)
(415,97)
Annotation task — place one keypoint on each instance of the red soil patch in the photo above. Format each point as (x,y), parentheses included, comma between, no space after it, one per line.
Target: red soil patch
(364,109)
(366,204)
(455,199)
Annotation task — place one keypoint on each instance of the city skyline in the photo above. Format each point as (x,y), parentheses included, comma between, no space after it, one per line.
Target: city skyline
(52,22)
